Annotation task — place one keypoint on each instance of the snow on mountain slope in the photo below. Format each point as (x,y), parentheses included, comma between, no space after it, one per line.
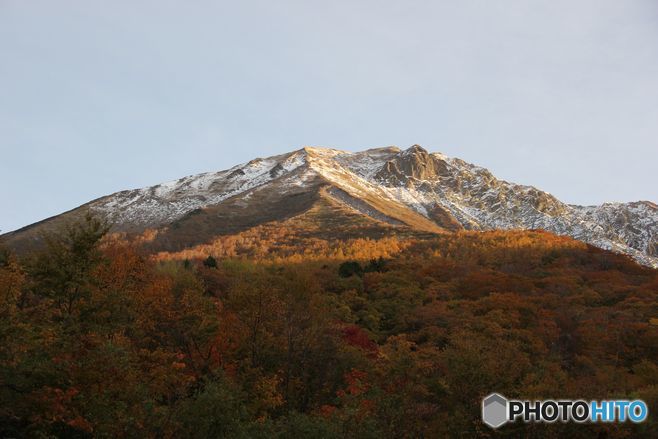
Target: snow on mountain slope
(479,201)
(415,179)
(166,202)
(425,191)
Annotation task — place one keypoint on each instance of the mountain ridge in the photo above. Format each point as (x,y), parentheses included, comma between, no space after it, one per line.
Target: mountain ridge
(412,188)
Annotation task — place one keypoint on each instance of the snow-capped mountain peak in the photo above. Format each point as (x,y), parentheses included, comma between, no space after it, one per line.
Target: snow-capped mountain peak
(411,188)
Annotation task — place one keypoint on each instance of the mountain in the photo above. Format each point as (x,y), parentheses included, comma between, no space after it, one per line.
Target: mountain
(374,192)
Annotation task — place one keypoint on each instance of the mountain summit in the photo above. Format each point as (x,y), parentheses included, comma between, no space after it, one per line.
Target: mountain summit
(411,190)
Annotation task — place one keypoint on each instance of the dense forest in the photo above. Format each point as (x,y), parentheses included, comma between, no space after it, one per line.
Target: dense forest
(372,339)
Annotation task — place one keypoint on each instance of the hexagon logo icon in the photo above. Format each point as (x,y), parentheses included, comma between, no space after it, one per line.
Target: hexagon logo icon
(494,410)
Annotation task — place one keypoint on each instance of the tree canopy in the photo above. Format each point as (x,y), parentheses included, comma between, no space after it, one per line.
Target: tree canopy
(99,339)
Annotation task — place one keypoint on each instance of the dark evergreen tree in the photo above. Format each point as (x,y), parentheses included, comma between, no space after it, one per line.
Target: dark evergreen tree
(378,265)
(210,262)
(350,268)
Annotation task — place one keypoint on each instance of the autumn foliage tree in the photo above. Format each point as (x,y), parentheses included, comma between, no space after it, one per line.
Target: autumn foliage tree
(100,339)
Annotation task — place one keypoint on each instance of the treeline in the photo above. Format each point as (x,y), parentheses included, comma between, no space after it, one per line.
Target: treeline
(100,340)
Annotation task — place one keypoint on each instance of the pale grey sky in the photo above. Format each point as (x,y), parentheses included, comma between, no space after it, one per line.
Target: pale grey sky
(101,96)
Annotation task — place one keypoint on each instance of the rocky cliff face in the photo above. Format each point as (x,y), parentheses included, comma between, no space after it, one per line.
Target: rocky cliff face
(412,188)
(414,164)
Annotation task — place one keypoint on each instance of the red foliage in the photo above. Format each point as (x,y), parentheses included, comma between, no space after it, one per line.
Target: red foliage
(353,335)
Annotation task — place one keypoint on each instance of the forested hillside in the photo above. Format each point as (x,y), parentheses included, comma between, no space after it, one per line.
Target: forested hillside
(356,338)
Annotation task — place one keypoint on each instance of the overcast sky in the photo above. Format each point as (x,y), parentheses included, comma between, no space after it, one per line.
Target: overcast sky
(101,96)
